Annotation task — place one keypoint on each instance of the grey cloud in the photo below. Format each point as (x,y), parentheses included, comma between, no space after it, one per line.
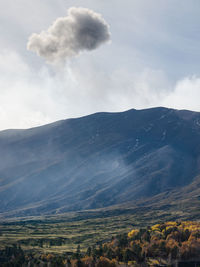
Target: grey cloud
(82,29)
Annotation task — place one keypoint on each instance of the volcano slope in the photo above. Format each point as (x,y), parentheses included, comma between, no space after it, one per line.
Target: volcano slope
(98,161)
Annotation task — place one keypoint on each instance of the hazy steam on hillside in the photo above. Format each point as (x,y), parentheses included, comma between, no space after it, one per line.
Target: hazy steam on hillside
(98,161)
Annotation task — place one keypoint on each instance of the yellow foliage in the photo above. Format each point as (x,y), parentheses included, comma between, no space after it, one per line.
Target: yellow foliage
(133,233)
(191,226)
(156,227)
(169,228)
(153,262)
(171,224)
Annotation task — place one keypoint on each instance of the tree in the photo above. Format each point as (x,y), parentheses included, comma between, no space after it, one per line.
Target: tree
(89,251)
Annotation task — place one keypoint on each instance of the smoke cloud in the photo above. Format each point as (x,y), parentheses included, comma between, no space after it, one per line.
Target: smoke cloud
(82,29)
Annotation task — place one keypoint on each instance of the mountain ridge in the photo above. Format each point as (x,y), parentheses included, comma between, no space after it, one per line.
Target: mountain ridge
(98,160)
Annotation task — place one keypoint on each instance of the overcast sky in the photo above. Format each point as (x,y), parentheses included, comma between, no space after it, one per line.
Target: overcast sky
(139,54)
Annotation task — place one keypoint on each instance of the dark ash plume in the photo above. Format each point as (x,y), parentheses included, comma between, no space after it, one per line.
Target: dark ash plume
(82,29)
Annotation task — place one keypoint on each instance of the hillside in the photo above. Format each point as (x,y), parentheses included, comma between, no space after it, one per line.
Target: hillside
(99,161)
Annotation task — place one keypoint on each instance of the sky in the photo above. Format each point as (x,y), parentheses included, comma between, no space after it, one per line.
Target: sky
(139,54)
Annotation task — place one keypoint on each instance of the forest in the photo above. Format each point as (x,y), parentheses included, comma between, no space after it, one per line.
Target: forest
(165,244)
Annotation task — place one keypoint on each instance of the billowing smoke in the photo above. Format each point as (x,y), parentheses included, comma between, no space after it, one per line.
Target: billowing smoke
(82,29)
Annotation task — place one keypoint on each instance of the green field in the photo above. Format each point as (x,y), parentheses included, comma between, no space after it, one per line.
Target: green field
(63,233)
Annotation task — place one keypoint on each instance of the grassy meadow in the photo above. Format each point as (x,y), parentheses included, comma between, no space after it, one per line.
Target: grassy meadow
(63,233)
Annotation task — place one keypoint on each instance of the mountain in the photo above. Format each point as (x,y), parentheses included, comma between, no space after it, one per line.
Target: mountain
(98,161)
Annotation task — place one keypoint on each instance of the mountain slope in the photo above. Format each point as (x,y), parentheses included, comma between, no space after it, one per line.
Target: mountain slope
(98,160)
